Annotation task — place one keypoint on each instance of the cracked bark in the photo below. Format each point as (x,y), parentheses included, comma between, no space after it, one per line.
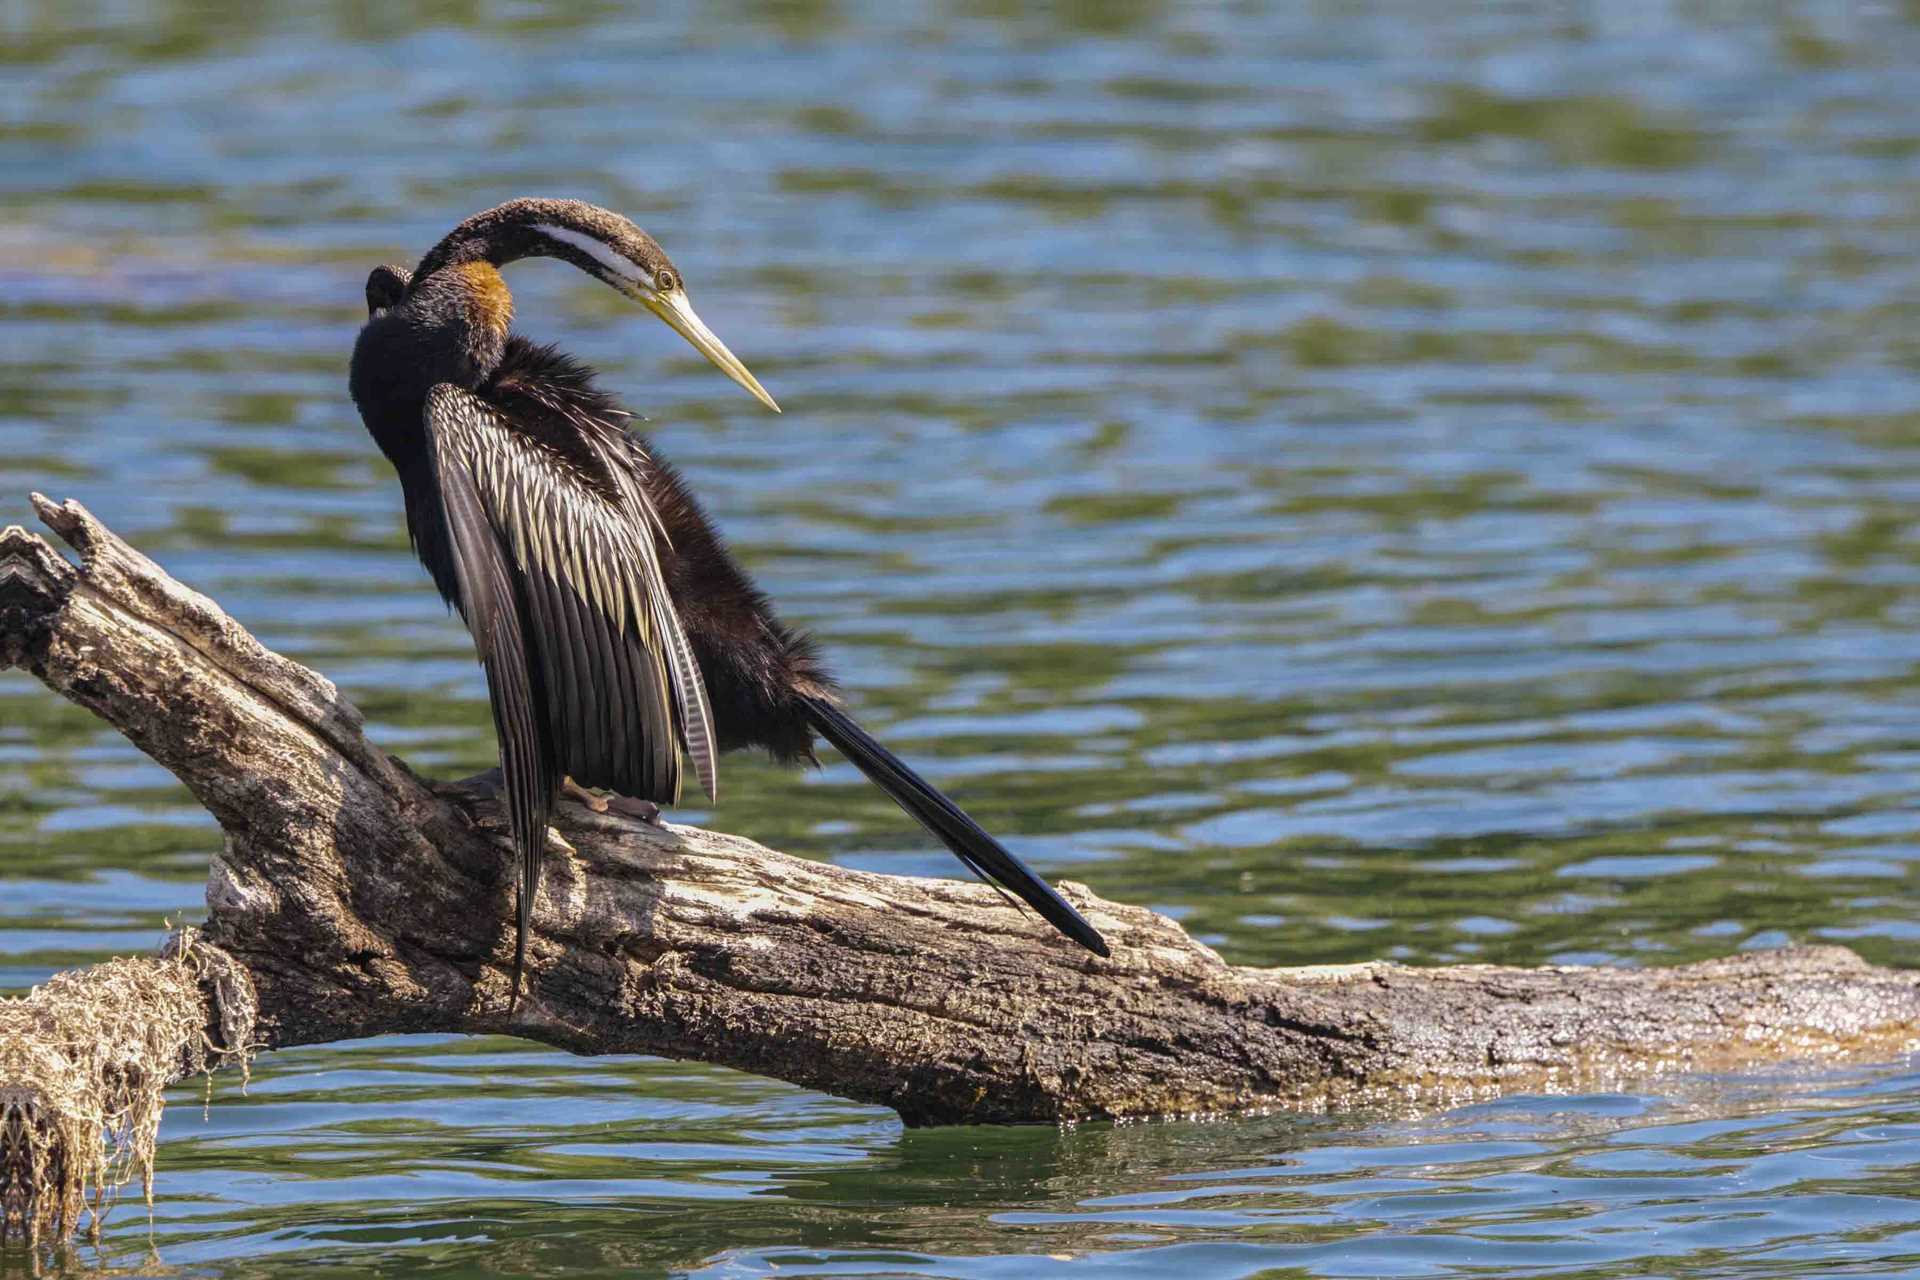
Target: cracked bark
(361,899)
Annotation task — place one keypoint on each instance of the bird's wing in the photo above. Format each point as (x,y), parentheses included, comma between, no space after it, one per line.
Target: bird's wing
(599,633)
(489,603)
(619,454)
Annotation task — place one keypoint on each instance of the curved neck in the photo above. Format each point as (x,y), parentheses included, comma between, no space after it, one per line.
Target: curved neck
(598,241)
(495,242)
(526,228)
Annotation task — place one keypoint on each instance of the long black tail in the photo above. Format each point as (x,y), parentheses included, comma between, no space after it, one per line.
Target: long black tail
(986,856)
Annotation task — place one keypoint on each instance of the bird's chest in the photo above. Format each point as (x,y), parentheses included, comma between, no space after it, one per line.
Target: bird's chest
(395,364)
(427,530)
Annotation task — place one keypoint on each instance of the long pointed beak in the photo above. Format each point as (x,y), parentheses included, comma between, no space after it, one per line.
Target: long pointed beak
(678,313)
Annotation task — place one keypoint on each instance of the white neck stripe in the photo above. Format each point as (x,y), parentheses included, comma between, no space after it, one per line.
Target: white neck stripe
(598,250)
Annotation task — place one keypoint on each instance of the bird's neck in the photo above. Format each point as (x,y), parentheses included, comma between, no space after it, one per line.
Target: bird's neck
(488,307)
(452,327)
(491,239)
(459,318)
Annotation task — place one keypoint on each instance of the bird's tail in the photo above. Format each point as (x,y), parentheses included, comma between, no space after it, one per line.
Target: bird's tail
(987,858)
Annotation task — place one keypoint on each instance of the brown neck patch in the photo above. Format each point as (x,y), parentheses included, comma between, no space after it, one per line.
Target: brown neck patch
(488,302)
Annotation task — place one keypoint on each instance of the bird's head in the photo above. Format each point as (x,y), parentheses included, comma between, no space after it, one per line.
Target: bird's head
(602,244)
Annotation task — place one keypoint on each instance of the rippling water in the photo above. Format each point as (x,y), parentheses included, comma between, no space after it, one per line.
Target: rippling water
(1422,481)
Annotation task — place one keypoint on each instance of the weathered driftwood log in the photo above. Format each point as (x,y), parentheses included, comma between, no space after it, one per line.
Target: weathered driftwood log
(358,898)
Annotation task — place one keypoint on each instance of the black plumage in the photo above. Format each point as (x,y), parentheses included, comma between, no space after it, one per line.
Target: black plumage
(618,633)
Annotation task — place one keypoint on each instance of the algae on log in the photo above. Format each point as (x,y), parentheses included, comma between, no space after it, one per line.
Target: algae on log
(357,898)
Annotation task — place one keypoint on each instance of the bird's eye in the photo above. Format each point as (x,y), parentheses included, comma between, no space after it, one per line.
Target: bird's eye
(666,282)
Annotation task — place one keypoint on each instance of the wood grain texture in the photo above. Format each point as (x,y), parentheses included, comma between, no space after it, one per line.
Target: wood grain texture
(361,899)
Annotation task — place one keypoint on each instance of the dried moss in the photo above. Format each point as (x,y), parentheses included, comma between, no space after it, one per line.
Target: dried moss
(85,1060)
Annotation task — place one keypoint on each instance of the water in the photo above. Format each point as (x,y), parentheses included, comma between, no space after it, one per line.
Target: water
(1433,482)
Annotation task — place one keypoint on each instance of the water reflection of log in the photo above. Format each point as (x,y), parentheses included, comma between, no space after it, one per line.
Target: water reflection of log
(361,899)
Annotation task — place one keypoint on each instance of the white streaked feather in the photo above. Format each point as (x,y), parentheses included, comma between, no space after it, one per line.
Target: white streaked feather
(522,488)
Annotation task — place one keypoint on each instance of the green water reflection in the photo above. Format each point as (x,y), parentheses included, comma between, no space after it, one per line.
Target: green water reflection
(1419,481)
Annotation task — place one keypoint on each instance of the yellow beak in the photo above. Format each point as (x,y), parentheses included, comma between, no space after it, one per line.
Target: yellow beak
(674,308)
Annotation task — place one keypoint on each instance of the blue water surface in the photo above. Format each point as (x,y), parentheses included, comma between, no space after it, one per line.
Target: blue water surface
(1423,481)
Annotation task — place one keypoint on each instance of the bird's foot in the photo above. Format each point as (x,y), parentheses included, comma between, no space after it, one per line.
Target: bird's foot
(621,806)
(627,807)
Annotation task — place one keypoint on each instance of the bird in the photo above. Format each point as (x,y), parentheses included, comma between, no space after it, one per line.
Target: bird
(623,644)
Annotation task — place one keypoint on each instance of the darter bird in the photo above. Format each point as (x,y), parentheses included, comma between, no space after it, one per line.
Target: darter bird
(617,632)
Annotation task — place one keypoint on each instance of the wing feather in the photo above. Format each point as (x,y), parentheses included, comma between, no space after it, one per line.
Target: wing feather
(621,458)
(600,632)
(488,603)
(589,671)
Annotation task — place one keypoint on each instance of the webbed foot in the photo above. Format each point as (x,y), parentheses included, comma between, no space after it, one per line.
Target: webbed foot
(621,806)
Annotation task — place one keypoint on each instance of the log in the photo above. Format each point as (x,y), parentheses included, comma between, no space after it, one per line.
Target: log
(352,897)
